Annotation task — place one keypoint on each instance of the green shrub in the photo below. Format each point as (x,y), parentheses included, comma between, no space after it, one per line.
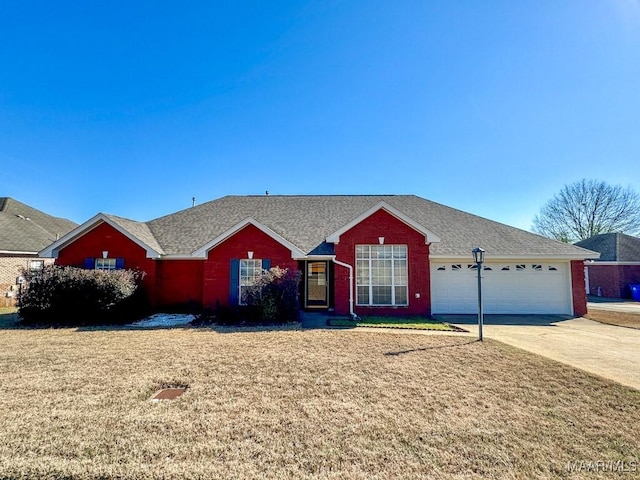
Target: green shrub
(69,295)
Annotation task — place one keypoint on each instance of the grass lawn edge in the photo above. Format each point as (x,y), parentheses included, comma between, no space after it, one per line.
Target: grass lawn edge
(399,323)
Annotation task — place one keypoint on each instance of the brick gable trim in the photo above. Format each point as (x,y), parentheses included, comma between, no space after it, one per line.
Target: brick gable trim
(429,236)
(203,251)
(52,250)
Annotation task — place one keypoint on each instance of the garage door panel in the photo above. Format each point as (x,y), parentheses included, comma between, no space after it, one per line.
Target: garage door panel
(506,288)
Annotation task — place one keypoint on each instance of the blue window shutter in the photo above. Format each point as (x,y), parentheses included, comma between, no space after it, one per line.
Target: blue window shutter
(234,282)
(119,263)
(266,264)
(89,263)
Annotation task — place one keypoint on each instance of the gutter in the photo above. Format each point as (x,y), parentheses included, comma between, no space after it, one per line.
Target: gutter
(346,265)
(16,252)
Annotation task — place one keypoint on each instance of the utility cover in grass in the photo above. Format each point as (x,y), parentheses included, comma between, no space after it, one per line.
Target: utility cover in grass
(168,394)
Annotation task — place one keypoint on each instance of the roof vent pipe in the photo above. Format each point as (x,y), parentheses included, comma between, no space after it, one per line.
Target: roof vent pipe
(193,202)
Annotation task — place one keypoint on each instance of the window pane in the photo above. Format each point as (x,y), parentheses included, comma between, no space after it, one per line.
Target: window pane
(363,296)
(35,265)
(362,272)
(401,295)
(381,295)
(400,272)
(384,269)
(105,264)
(250,272)
(400,251)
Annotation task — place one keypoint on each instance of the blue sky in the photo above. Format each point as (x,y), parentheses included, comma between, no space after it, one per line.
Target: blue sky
(133,108)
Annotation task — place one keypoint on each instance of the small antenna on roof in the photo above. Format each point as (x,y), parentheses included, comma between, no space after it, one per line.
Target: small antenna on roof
(266,192)
(193,201)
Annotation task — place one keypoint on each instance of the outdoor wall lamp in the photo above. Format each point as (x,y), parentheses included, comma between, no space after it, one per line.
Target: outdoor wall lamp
(105,254)
(381,240)
(478,258)
(250,255)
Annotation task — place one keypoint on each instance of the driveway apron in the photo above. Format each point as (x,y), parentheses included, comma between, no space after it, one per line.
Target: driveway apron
(605,350)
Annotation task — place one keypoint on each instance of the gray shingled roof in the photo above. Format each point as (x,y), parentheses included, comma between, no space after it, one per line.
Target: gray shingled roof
(140,230)
(614,247)
(25,229)
(306,221)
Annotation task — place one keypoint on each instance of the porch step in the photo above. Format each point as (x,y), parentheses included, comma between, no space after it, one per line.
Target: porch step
(314,319)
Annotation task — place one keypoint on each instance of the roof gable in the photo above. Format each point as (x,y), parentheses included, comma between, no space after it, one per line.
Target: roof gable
(122,225)
(204,250)
(429,237)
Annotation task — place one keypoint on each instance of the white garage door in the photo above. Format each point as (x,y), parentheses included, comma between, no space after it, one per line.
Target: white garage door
(506,288)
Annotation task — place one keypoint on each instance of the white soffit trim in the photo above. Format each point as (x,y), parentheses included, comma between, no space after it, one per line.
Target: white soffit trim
(491,258)
(296,253)
(52,250)
(429,236)
(14,252)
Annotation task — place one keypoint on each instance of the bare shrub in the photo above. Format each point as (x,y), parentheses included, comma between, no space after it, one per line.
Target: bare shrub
(275,296)
(71,295)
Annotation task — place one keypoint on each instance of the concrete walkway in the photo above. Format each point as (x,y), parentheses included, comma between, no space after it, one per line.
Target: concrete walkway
(606,350)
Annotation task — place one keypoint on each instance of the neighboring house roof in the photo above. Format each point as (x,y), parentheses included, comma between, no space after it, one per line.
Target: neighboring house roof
(307,222)
(613,247)
(27,230)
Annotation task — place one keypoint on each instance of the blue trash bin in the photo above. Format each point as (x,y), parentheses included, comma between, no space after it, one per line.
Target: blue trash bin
(635,291)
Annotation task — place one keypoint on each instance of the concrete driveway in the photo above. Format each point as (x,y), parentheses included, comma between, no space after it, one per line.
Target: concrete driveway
(606,350)
(621,306)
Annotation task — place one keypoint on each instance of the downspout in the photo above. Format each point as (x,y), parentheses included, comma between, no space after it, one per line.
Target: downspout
(342,264)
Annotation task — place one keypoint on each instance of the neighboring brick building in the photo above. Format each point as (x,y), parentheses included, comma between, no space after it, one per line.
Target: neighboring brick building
(24,231)
(365,254)
(617,267)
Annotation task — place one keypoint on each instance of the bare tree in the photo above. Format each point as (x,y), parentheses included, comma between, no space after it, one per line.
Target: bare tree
(587,208)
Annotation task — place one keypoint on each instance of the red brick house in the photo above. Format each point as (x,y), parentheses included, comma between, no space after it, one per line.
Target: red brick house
(617,267)
(397,254)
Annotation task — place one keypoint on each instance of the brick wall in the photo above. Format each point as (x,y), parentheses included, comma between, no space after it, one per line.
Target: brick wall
(171,282)
(10,267)
(395,232)
(613,280)
(578,290)
(179,282)
(217,266)
(105,237)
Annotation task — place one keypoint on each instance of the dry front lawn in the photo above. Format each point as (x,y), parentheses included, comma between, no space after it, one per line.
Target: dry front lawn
(620,319)
(300,404)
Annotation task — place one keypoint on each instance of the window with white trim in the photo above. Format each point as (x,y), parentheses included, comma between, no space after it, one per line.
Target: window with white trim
(381,275)
(36,265)
(250,272)
(105,264)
